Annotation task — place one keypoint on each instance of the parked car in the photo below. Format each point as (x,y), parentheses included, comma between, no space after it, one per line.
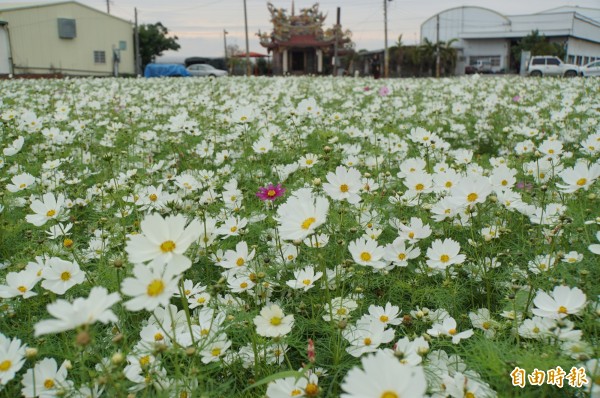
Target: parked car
(591,69)
(546,65)
(205,70)
(161,70)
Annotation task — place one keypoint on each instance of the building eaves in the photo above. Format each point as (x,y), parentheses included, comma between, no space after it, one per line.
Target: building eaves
(25,6)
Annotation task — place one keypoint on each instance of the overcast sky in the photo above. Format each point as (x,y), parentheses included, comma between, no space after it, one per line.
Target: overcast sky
(199,24)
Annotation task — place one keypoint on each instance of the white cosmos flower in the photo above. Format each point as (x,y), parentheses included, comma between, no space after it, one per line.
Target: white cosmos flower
(448,328)
(442,254)
(383,376)
(20,182)
(304,279)
(60,275)
(272,322)
(153,285)
(564,301)
(367,252)
(46,379)
(301,215)
(49,208)
(14,147)
(12,358)
(595,248)
(164,240)
(82,311)
(344,184)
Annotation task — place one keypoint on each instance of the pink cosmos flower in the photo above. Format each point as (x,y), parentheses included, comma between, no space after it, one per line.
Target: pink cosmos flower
(384,91)
(270,192)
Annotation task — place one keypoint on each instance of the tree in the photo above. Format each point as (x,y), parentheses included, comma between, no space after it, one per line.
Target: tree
(538,45)
(154,40)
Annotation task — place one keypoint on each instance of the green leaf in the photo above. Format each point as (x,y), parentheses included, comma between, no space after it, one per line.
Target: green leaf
(280,375)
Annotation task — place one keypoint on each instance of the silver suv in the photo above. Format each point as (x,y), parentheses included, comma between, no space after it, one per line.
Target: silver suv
(545,65)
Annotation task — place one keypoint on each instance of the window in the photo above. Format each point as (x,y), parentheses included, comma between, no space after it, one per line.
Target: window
(122,45)
(67,29)
(552,61)
(578,62)
(586,60)
(538,61)
(99,57)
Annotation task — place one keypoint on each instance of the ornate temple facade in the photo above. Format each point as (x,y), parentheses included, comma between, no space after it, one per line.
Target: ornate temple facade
(299,44)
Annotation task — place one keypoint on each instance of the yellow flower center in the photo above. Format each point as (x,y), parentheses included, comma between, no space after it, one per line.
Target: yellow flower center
(167,246)
(51,213)
(311,389)
(233,229)
(145,360)
(562,310)
(452,332)
(295,393)
(239,262)
(308,222)
(486,325)
(472,197)
(243,285)
(389,394)
(187,292)
(384,318)
(276,321)
(367,341)
(364,256)
(201,300)
(158,336)
(419,187)
(215,352)
(5,365)
(271,193)
(68,242)
(535,330)
(344,188)
(402,256)
(342,311)
(309,161)
(204,332)
(504,183)
(448,184)
(306,282)
(49,383)
(444,258)
(22,289)
(155,288)
(65,276)
(22,186)
(411,235)
(469,394)
(581,182)
(153,197)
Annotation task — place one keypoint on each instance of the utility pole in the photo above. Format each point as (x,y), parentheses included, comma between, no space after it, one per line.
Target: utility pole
(437,45)
(335,45)
(386,53)
(108,6)
(247,45)
(136,38)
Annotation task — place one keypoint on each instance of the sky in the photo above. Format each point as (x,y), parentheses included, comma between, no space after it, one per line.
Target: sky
(199,24)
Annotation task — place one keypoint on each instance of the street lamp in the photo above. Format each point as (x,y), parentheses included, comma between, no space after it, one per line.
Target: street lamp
(225,47)
(247,45)
(386,55)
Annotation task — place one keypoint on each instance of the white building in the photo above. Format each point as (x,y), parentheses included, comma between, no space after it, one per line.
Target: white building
(482,33)
(63,37)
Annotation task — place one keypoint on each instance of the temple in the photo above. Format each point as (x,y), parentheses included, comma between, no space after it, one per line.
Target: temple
(299,43)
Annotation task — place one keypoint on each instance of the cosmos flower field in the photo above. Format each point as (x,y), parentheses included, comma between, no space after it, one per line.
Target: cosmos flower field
(289,237)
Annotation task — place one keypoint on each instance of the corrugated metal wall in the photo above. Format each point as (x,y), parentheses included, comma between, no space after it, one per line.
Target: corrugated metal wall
(37,47)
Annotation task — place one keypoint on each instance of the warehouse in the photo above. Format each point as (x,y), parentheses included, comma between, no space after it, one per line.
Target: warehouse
(484,34)
(66,38)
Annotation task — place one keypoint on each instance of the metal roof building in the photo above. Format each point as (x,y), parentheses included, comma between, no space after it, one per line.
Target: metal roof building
(64,37)
(482,33)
